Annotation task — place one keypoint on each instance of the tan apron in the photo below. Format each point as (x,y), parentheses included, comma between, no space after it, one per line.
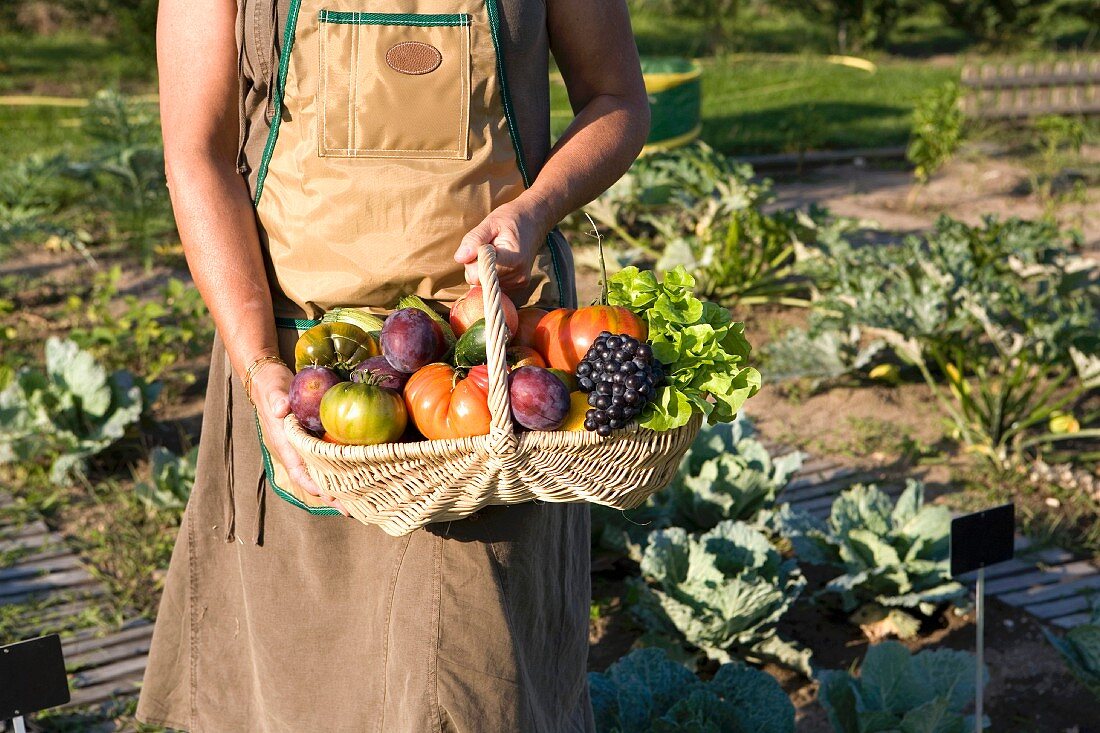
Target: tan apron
(397,137)
(390,137)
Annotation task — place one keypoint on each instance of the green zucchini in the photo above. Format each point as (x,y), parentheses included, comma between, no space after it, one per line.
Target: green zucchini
(470,347)
(360,317)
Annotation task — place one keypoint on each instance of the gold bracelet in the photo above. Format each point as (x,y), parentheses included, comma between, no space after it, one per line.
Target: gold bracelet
(254,369)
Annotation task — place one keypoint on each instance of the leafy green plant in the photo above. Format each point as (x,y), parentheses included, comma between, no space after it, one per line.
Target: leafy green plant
(32,195)
(700,210)
(170,479)
(739,256)
(126,169)
(1080,647)
(895,557)
(722,592)
(822,355)
(662,182)
(70,412)
(726,474)
(898,691)
(703,349)
(645,692)
(1059,140)
(1006,312)
(150,335)
(937,130)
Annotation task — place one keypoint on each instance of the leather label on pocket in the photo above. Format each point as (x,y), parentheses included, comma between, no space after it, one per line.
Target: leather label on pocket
(414,58)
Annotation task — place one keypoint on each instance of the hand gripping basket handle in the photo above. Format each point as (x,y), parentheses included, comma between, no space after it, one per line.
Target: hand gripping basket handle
(496,344)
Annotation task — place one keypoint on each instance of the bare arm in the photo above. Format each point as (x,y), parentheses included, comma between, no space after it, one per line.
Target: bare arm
(594,47)
(198,93)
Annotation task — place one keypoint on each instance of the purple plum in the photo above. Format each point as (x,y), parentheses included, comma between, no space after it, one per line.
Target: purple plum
(411,339)
(540,400)
(379,369)
(306,390)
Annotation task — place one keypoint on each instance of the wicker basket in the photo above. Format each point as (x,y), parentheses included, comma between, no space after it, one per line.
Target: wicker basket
(403,486)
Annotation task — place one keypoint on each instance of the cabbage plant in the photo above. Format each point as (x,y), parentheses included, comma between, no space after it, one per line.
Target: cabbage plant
(895,557)
(722,592)
(171,479)
(70,412)
(726,474)
(896,691)
(645,692)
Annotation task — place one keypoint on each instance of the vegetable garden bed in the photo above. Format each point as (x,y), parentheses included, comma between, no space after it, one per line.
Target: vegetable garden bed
(862,415)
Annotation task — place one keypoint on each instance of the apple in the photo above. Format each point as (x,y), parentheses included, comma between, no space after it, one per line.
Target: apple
(469,309)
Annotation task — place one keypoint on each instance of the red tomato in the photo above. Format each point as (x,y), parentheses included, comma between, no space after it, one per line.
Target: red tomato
(528,320)
(564,335)
(443,406)
(521,356)
(470,308)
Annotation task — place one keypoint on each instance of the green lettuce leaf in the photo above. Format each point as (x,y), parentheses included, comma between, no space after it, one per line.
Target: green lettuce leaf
(704,351)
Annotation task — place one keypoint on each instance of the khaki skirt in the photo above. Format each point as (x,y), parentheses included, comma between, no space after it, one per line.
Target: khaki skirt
(277,621)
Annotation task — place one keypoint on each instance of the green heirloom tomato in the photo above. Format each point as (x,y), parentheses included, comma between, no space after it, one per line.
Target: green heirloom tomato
(355,413)
(339,346)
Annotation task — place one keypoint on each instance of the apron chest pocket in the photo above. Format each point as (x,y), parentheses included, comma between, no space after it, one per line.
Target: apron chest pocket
(393,85)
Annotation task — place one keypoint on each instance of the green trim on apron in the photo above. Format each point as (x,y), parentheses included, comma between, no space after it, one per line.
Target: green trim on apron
(513,132)
(280,92)
(427,19)
(298,324)
(269,469)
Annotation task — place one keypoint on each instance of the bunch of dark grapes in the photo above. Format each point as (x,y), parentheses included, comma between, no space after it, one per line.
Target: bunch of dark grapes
(621,377)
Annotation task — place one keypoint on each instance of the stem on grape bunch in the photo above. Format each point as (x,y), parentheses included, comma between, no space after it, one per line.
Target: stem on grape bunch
(603,265)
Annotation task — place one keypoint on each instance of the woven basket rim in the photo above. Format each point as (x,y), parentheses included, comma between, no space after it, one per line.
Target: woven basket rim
(453,447)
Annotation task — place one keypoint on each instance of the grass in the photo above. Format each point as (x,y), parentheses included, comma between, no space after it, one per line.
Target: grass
(40,129)
(71,63)
(787,100)
(767,103)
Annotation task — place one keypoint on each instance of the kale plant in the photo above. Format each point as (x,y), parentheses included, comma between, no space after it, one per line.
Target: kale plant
(171,478)
(722,592)
(699,209)
(894,556)
(821,355)
(645,692)
(125,169)
(70,412)
(896,691)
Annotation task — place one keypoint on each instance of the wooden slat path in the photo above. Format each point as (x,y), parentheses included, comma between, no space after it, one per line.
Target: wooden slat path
(39,570)
(1048,583)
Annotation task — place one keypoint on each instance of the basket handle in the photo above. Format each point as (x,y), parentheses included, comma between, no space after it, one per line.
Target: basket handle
(496,344)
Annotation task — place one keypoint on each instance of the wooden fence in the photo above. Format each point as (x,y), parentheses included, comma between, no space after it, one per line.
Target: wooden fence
(1022,90)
